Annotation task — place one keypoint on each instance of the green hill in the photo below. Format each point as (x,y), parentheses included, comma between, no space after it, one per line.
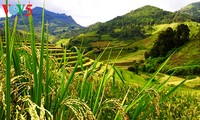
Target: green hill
(192,10)
(149,15)
(133,26)
(147,43)
(136,32)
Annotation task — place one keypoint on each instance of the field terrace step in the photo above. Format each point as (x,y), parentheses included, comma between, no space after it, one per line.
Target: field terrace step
(28,41)
(49,47)
(85,66)
(60,55)
(98,66)
(73,63)
(28,44)
(124,64)
(55,51)
(88,64)
(109,71)
(39,44)
(123,67)
(68,58)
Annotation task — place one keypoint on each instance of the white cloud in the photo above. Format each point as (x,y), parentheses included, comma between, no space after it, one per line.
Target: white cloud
(2,14)
(86,12)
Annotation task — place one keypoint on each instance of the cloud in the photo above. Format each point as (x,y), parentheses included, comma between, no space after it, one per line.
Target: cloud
(2,13)
(86,12)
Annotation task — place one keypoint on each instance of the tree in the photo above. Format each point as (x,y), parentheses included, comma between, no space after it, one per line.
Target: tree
(164,43)
(182,35)
(146,55)
(170,39)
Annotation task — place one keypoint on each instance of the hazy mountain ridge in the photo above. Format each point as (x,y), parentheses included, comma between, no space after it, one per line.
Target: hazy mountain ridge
(57,22)
(50,16)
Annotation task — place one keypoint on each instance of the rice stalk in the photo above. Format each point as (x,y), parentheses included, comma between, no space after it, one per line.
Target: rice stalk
(80,109)
(146,85)
(32,110)
(34,60)
(104,78)
(40,78)
(8,67)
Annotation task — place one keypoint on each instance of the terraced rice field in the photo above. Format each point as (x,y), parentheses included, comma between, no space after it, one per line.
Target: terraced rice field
(69,58)
(60,55)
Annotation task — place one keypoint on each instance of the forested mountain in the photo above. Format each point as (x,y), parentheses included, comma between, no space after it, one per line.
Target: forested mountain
(192,10)
(135,23)
(58,23)
(149,15)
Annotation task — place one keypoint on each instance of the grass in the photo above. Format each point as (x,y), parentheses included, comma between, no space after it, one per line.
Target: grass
(130,77)
(37,87)
(63,42)
(193,26)
(194,83)
(188,55)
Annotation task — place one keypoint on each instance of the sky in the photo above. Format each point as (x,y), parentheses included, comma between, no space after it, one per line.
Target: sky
(87,12)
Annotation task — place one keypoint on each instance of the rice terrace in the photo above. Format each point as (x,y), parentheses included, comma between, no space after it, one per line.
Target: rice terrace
(82,62)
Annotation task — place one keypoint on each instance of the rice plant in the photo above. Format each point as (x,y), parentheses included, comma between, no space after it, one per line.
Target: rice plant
(38,87)
(8,67)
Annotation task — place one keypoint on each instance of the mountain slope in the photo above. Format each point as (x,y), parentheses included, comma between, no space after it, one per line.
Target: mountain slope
(192,10)
(149,15)
(135,25)
(57,22)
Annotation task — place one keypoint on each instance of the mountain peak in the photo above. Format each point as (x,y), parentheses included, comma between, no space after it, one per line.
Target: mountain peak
(147,8)
(149,15)
(39,10)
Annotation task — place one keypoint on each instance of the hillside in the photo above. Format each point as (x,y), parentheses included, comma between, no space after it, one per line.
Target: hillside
(192,10)
(149,15)
(135,25)
(136,33)
(146,44)
(58,23)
